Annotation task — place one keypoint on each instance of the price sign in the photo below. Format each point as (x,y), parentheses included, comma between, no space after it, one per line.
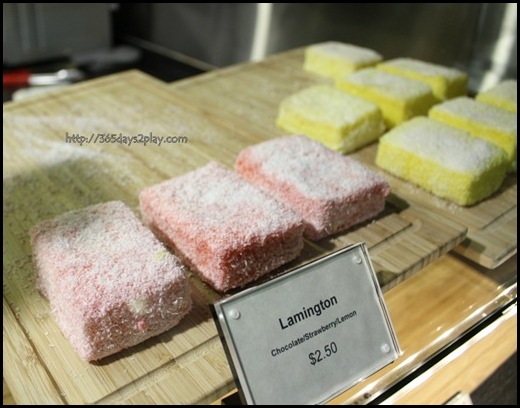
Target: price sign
(309,335)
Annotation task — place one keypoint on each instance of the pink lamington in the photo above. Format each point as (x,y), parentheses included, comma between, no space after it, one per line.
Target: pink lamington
(331,192)
(225,229)
(110,282)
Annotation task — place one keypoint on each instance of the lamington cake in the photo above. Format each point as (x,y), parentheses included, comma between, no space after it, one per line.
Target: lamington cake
(446,83)
(340,121)
(110,283)
(398,98)
(331,192)
(333,58)
(225,229)
(487,122)
(501,95)
(444,160)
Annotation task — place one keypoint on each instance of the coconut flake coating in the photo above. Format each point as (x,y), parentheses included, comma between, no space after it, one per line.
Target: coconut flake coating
(340,121)
(331,192)
(444,160)
(110,283)
(225,229)
(398,97)
(502,95)
(334,58)
(482,120)
(445,82)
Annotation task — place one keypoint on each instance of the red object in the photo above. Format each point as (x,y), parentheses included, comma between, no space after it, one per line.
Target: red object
(226,230)
(17,78)
(110,283)
(331,192)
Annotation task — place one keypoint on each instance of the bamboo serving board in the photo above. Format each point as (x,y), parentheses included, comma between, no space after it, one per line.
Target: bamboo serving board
(253,92)
(44,176)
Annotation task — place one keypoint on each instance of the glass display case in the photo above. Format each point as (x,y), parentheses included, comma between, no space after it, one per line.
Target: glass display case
(448,274)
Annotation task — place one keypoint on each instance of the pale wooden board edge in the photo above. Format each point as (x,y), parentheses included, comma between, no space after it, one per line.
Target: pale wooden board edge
(22,362)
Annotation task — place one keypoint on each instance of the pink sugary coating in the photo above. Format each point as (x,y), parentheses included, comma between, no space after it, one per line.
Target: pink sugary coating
(111,284)
(226,230)
(331,192)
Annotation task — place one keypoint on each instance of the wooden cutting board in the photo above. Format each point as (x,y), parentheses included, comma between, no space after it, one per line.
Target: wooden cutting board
(253,92)
(45,176)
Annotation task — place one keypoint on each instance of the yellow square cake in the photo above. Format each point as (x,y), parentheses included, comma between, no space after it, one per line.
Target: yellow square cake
(333,58)
(444,160)
(481,120)
(340,121)
(502,95)
(399,98)
(446,83)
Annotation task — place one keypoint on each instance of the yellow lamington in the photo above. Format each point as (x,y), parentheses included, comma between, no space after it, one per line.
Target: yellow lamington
(399,98)
(340,121)
(333,58)
(446,83)
(446,161)
(502,95)
(481,120)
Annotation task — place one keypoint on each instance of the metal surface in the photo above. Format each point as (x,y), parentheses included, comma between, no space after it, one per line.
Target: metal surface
(329,334)
(40,31)
(477,38)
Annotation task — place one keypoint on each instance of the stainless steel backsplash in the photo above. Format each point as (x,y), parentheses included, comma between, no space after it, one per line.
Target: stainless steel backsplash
(477,38)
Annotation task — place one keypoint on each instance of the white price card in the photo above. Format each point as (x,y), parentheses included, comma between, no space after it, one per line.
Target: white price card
(310,334)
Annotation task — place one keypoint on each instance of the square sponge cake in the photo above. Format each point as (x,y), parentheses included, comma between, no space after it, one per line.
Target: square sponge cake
(225,229)
(340,121)
(399,98)
(502,95)
(482,120)
(331,192)
(446,161)
(445,82)
(333,58)
(110,283)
